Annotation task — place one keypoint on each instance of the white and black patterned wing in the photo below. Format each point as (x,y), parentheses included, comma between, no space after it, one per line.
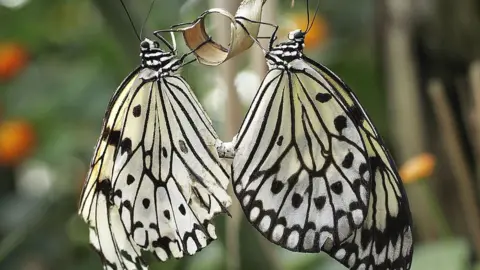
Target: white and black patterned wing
(385,239)
(109,238)
(168,180)
(300,167)
(107,234)
(101,166)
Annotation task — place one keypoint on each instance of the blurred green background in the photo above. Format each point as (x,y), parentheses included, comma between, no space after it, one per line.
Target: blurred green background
(413,65)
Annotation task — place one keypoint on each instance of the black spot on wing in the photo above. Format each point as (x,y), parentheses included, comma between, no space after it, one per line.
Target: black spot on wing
(105,187)
(164,152)
(320,202)
(127,204)
(114,137)
(138,224)
(183,146)
(340,123)
(375,163)
(166,213)
(182,210)
(357,113)
(323,97)
(355,205)
(118,193)
(277,186)
(280,140)
(337,188)
(126,146)
(137,110)
(348,160)
(163,242)
(146,203)
(130,179)
(297,200)
(105,133)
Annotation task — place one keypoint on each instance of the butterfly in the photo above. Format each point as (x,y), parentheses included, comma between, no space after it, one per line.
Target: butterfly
(311,171)
(155,180)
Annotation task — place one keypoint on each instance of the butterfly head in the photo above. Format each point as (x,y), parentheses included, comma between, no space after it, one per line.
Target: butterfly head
(283,53)
(156,58)
(297,36)
(148,45)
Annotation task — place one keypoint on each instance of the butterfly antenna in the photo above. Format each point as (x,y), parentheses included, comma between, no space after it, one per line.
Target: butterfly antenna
(314,16)
(130,18)
(308,18)
(146,18)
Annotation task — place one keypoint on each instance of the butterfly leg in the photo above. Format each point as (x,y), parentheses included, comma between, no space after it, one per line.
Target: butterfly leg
(225,149)
(273,38)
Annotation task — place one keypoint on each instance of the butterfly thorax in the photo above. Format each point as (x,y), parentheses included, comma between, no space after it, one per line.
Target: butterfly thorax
(282,54)
(153,57)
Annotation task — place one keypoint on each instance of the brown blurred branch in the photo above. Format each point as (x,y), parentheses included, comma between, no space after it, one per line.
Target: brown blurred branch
(474,77)
(403,85)
(406,116)
(463,178)
(234,118)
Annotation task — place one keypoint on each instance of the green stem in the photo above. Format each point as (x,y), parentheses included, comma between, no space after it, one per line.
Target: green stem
(442,224)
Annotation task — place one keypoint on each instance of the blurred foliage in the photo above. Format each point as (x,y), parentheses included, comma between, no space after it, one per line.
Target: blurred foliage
(60,62)
(79,52)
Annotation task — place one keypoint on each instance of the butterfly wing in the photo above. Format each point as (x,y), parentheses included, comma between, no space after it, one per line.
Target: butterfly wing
(168,180)
(101,166)
(385,239)
(107,233)
(110,240)
(157,157)
(300,166)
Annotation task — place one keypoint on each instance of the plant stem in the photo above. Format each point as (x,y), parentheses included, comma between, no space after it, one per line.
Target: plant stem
(463,177)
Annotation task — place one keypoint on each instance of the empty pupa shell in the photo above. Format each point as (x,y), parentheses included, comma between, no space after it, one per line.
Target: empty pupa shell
(243,28)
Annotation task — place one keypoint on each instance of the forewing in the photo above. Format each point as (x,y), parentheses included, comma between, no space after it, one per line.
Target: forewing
(107,233)
(168,180)
(300,167)
(385,239)
(101,166)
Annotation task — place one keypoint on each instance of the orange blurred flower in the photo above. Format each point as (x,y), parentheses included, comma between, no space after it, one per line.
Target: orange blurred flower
(17,139)
(317,35)
(418,167)
(13,58)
